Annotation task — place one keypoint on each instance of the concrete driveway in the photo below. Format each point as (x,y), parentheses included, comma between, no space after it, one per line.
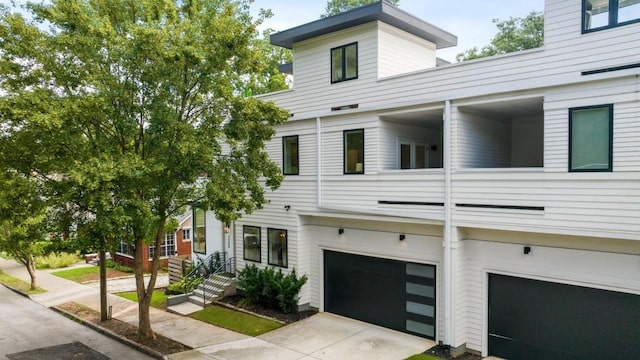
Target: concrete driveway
(322,336)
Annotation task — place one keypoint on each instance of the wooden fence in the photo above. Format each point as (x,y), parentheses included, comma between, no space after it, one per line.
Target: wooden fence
(178,266)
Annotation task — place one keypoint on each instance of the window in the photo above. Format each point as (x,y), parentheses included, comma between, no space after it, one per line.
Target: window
(344,63)
(186,234)
(354,151)
(604,14)
(125,249)
(277,242)
(200,240)
(290,155)
(251,236)
(591,138)
(412,154)
(167,248)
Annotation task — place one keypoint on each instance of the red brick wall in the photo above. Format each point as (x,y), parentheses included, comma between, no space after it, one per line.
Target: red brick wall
(183,247)
(146,263)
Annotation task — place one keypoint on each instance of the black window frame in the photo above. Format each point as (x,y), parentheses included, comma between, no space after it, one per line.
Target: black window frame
(613,18)
(244,245)
(571,111)
(285,250)
(344,152)
(343,65)
(284,157)
(194,231)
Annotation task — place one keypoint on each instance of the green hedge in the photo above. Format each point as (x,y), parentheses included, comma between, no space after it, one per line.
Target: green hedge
(271,288)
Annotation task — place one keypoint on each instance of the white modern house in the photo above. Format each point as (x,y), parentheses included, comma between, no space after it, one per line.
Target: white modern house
(491,205)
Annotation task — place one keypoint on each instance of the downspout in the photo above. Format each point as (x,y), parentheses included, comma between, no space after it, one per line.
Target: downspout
(447,263)
(319,160)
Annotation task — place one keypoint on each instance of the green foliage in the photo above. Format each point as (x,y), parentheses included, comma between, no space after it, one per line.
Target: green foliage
(515,34)
(56,260)
(271,288)
(422,357)
(335,7)
(235,320)
(184,286)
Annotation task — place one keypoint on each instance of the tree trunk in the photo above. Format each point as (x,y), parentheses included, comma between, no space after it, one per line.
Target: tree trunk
(31,269)
(103,285)
(144,299)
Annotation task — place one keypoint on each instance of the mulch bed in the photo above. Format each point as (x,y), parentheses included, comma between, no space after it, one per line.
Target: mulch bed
(160,344)
(235,301)
(442,352)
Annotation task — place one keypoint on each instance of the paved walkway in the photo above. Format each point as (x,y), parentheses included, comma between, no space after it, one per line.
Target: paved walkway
(323,336)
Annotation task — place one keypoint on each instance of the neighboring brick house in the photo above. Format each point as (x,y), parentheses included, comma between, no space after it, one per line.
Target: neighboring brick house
(177,242)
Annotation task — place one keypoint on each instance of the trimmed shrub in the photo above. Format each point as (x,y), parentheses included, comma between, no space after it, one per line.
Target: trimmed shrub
(115,266)
(271,288)
(185,285)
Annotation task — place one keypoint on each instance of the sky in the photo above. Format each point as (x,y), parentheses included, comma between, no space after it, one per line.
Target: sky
(469,20)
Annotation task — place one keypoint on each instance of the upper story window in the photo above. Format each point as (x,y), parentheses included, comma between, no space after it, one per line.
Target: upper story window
(603,14)
(186,234)
(591,138)
(199,233)
(354,151)
(344,63)
(290,155)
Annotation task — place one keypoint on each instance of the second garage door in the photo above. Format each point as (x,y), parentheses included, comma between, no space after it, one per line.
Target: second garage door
(394,294)
(531,319)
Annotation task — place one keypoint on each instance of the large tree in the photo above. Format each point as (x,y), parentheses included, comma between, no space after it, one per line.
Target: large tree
(335,7)
(515,34)
(138,104)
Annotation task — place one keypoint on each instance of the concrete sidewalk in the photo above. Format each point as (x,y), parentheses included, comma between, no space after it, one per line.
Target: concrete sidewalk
(323,336)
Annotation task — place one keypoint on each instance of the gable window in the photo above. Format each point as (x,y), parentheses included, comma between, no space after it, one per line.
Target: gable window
(344,63)
(199,240)
(251,236)
(167,247)
(591,138)
(277,243)
(186,234)
(354,151)
(412,154)
(290,155)
(604,14)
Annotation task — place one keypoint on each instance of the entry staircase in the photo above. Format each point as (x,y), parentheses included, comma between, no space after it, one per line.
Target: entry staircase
(219,279)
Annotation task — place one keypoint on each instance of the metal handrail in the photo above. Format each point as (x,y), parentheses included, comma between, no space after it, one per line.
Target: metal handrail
(205,268)
(225,271)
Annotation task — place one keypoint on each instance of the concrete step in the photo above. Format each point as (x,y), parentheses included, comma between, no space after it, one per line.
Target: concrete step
(197,300)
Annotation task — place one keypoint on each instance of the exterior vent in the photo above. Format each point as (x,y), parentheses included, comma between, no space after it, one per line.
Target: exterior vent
(344,107)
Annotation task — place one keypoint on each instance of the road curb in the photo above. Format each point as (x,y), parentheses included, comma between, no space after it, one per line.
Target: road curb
(144,349)
(19,292)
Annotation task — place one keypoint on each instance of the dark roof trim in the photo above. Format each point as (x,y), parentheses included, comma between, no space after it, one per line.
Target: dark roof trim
(286,68)
(379,11)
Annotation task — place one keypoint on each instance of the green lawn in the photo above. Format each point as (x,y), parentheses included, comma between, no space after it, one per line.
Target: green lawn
(422,357)
(158,299)
(87,273)
(235,320)
(18,284)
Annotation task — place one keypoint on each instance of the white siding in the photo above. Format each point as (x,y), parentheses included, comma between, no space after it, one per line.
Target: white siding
(617,272)
(391,132)
(482,142)
(400,52)
(586,204)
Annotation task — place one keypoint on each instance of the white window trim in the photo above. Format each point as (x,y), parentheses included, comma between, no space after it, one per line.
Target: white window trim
(186,239)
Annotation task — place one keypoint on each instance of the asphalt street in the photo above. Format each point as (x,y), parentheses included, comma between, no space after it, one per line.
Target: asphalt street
(28,326)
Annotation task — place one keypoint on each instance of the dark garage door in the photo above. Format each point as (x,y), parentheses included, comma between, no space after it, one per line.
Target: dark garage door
(531,319)
(389,293)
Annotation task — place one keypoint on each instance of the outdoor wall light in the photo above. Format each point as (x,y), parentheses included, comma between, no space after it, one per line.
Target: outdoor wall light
(340,231)
(527,250)
(402,237)
(287,207)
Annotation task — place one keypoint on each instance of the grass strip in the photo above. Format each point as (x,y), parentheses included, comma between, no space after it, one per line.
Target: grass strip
(235,320)
(18,284)
(158,299)
(422,357)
